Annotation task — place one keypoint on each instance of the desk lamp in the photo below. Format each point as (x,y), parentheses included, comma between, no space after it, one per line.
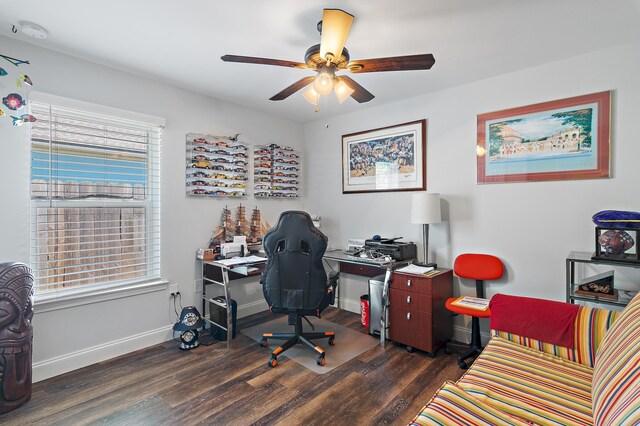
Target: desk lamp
(425,209)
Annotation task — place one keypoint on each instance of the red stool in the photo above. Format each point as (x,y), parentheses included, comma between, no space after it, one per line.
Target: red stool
(477,267)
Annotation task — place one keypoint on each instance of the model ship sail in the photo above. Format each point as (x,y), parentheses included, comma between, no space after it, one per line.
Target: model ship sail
(242,225)
(228,224)
(255,235)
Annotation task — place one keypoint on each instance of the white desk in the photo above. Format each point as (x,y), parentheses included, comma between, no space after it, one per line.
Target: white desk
(222,273)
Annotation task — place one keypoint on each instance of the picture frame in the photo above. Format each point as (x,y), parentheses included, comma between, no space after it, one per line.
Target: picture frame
(564,139)
(387,159)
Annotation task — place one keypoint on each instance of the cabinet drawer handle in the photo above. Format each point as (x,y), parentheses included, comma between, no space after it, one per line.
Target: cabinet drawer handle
(408,283)
(408,299)
(408,315)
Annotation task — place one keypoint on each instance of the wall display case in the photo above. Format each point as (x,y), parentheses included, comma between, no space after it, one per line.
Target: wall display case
(276,171)
(216,166)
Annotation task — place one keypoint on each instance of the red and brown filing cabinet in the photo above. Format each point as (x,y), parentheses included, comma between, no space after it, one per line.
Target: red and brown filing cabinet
(418,317)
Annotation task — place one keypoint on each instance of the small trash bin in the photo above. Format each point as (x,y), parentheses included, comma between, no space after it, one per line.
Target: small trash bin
(376,286)
(364,310)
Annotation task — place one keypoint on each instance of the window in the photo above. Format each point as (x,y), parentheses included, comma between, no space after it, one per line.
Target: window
(95,207)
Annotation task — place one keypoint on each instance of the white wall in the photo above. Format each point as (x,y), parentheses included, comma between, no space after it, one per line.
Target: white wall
(71,338)
(531,226)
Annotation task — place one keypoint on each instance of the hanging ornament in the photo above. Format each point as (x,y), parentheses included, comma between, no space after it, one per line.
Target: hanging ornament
(14,61)
(24,118)
(2,72)
(13,101)
(25,78)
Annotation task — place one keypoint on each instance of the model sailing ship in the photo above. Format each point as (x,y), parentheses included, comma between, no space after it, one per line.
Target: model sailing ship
(254,230)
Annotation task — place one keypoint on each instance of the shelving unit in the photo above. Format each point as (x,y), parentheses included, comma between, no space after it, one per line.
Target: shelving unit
(216,166)
(276,171)
(624,296)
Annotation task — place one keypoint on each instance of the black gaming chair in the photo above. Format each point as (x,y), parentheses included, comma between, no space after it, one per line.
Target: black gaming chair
(294,280)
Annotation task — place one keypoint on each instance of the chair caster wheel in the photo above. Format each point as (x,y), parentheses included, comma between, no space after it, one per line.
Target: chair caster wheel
(446,349)
(272,362)
(264,343)
(320,360)
(462,365)
(409,349)
(332,341)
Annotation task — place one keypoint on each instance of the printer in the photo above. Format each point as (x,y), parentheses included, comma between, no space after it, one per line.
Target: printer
(391,247)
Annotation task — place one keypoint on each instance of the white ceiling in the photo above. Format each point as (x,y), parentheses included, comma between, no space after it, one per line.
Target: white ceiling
(180,42)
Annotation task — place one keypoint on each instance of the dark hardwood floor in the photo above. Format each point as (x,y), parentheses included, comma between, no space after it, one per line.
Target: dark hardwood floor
(209,385)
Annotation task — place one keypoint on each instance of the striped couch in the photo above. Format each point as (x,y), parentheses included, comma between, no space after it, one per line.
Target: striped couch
(521,381)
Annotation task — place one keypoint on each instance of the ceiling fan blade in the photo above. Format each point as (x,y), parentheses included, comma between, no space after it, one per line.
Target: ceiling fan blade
(360,94)
(336,24)
(262,61)
(291,89)
(396,63)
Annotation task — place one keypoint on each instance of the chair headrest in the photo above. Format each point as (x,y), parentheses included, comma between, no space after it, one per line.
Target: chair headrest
(292,227)
(478,266)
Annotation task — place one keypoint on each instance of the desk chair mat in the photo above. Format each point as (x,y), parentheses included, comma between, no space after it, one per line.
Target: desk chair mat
(349,343)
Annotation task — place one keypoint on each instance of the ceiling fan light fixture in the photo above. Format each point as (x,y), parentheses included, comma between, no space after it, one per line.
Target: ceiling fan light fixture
(311,96)
(336,24)
(342,89)
(323,82)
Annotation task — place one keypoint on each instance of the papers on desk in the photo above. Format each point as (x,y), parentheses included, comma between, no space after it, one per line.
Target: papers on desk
(472,303)
(241,260)
(415,269)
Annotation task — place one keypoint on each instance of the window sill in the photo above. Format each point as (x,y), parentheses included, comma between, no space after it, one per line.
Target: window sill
(48,303)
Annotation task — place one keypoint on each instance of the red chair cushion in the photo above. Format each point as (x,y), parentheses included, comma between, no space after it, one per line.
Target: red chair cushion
(466,311)
(478,267)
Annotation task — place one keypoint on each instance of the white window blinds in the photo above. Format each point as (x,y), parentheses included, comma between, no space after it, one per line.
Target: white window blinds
(95,195)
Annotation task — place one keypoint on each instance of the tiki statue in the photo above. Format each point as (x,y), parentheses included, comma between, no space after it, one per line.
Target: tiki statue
(16,335)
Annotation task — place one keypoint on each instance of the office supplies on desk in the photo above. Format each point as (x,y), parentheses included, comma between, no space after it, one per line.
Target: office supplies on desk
(233,249)
(240,260)
(353,252)
(355,243)
(415,269)
(206,254)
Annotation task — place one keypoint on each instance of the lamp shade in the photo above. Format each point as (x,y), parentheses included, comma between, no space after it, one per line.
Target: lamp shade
(425,208)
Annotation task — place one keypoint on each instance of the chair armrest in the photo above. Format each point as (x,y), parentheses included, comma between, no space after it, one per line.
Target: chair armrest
(332,283)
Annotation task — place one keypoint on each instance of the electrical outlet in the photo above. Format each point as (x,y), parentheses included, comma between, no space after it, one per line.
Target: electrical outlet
(173,288)
(197,286)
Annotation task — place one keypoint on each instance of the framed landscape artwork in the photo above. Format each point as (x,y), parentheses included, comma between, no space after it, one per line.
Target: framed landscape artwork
(387,159)
(557,140)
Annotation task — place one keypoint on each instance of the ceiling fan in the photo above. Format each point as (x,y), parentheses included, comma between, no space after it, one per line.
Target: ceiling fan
(331,56)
